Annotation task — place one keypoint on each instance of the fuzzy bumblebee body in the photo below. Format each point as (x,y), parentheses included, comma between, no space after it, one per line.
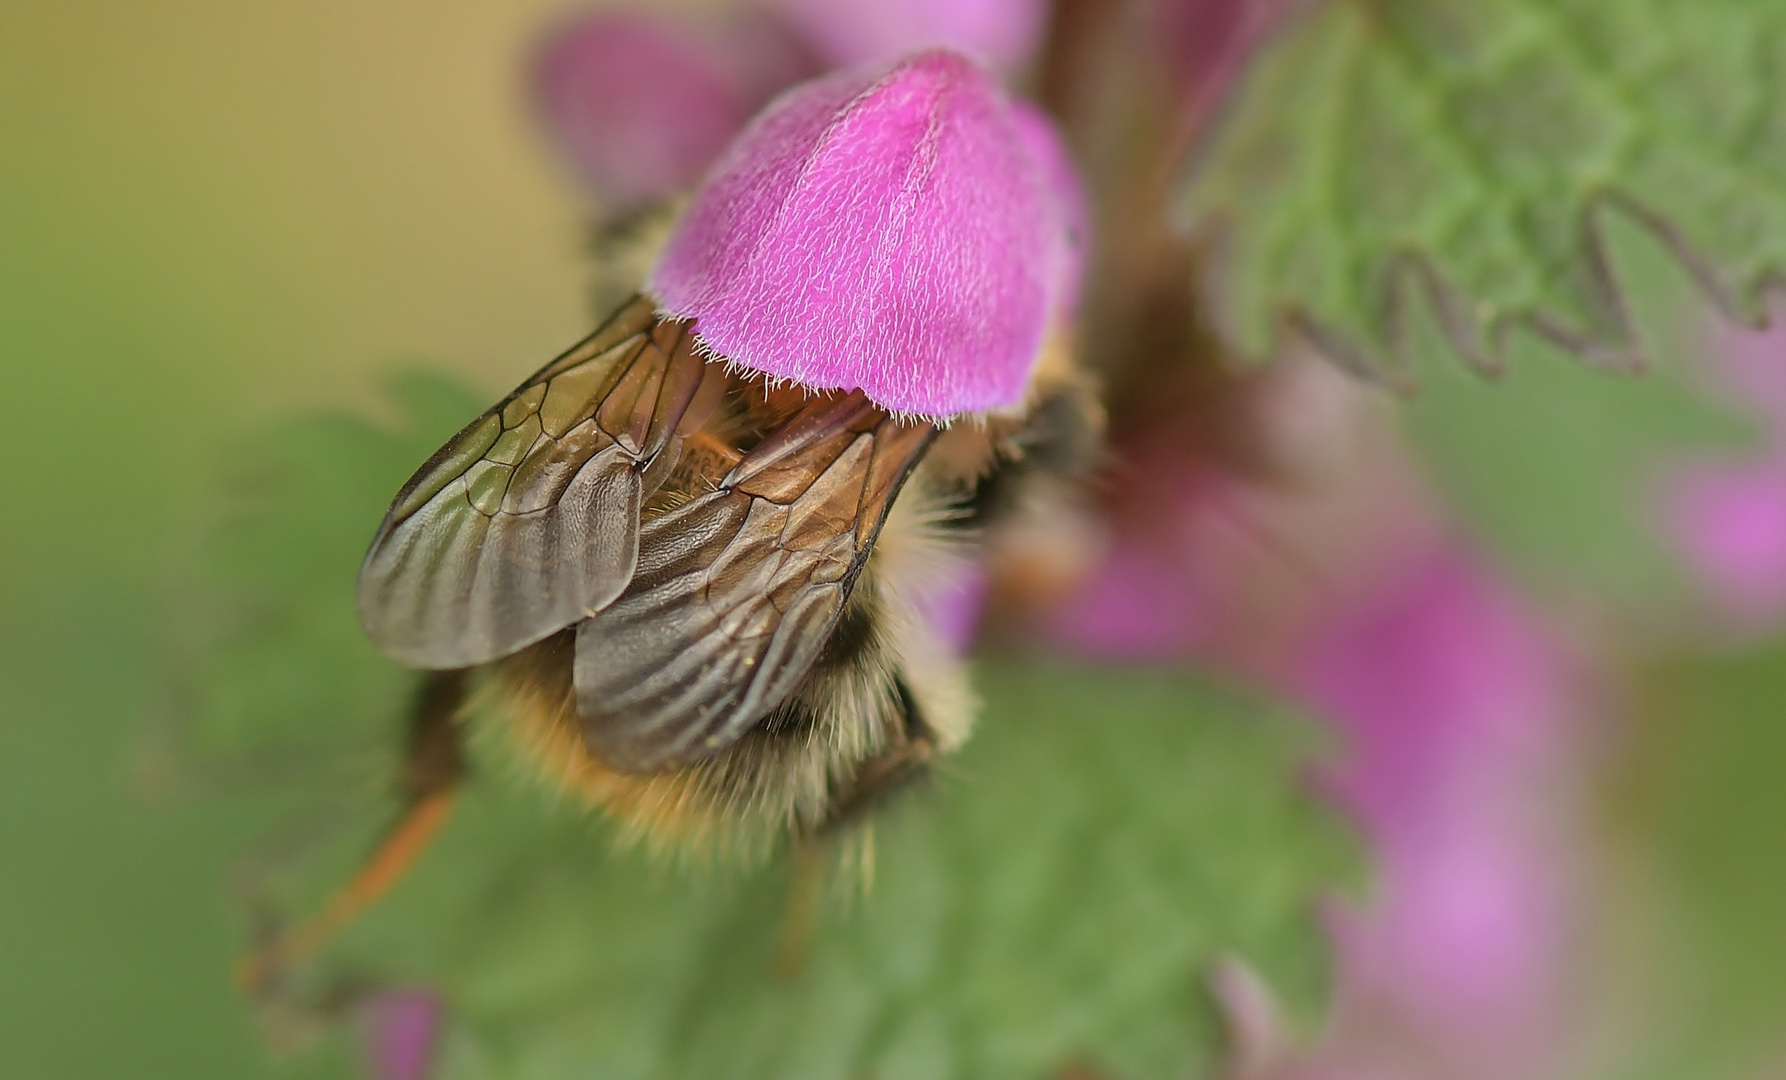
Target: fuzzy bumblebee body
(880,702)
(691,592)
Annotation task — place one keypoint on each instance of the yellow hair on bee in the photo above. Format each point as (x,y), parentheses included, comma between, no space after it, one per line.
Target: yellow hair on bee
(800,768)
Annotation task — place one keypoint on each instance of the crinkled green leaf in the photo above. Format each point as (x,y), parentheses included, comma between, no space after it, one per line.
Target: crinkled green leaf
(1561,468)
(1464,155)
(1058,895)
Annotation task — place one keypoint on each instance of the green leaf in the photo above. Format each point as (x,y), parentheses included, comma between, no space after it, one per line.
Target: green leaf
(1058,895)
(290,674)
(1562,468)
(1465,155)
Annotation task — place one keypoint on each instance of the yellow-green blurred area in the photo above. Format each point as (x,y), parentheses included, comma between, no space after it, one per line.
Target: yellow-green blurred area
(216,217)
(211,215)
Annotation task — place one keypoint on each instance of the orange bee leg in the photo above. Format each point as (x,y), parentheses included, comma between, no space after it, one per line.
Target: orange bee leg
(434,763)
(806,886)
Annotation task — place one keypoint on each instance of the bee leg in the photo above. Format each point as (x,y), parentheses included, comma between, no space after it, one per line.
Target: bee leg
(806,884)
(848,821)
(879,778)
(876,780)
(433,764)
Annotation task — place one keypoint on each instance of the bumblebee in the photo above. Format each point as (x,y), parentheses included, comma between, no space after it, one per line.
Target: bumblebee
(690,594)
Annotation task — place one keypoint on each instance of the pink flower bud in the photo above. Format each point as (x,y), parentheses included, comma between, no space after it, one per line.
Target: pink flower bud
(642,104)
(890,231)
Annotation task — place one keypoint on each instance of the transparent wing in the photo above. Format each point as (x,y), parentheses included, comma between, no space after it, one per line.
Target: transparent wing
(738,589)
(528,520)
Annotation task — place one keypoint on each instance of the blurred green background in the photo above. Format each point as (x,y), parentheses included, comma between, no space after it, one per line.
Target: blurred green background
(211,215)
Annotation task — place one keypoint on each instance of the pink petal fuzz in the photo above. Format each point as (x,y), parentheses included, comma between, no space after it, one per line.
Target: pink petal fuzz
(887,231)
(643,104)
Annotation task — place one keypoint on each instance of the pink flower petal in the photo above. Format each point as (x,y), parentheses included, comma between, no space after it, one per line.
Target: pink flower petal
(1469,929)
(1729,523)
(1331,579)
(885,230)
(1456,702)
(1437,675)
(1208,44)
(643,104)
(402,1026)
(953,608)
(1138,604)
(1001,33)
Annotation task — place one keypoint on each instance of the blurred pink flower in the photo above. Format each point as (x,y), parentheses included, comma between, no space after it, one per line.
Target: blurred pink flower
(1202,560)
(1156,592)
(890,231)
(1327,576)
(1456,704)
(1727,519)
(1000,33)
(401,1029)
(642,103)
(1136,605)
(1728,522)
(953,607)
(1207,44)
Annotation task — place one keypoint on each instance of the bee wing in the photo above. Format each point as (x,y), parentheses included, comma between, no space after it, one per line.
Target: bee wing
(738,589)
(528,520)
